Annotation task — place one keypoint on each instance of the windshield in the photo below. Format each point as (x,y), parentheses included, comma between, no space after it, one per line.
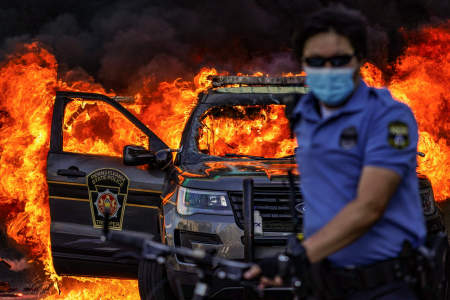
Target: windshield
(246,130)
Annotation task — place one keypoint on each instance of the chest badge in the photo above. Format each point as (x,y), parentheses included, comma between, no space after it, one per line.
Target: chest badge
(108,190)
(348,138)
(398,136)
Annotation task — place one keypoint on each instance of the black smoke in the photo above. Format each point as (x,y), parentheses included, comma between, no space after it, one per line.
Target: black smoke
(117,42)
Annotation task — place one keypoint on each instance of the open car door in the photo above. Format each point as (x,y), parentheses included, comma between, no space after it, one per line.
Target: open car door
(86,176)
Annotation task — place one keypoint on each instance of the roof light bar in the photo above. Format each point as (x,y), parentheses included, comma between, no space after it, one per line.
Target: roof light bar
(219,81)
(123,99)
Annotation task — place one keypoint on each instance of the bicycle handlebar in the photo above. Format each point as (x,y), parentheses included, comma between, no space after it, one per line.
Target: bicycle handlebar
(209,265)
(152,250)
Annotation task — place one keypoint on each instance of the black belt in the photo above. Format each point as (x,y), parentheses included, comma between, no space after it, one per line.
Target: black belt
(368,277)
(340,281)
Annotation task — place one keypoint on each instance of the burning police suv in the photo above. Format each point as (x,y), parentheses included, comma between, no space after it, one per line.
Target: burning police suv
(237,133)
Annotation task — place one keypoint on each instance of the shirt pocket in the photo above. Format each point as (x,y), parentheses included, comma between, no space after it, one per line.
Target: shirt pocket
(348,138)
(343,146)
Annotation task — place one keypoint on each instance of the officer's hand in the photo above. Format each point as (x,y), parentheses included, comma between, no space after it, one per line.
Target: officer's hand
(253,272)
(267,269)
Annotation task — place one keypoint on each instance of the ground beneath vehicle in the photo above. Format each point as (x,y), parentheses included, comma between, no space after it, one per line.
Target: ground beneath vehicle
(233,133)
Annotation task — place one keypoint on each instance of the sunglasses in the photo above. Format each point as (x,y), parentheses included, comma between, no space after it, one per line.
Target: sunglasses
(335,61)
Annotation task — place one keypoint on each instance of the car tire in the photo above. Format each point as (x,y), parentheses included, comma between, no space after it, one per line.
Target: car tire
(152,282)
(445,293)
(447,278)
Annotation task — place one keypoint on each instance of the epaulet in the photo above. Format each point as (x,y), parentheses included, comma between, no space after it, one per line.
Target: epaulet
(382,95)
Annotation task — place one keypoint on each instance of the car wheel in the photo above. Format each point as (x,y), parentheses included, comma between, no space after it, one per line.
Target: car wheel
(152,281)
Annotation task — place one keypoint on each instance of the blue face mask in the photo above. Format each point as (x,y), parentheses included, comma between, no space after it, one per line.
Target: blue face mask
(330,85)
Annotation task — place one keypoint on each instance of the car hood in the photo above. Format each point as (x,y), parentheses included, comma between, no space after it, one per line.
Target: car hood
(227,175)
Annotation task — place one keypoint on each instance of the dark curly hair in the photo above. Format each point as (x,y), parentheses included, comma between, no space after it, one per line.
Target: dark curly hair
(336,17)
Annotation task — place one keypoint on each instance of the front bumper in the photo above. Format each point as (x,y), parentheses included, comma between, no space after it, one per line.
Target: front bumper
(218,233)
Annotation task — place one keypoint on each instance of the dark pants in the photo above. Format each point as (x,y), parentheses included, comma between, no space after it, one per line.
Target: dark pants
(391,291)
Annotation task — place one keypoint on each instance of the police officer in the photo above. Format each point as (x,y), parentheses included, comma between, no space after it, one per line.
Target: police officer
(357,160)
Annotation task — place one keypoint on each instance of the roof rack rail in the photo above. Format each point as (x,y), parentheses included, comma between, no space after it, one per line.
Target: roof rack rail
(220,81)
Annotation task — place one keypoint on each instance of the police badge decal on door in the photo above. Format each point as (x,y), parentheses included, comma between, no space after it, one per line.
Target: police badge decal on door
(108,190)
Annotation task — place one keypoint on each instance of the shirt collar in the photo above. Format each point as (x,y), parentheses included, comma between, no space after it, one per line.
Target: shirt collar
(307,105)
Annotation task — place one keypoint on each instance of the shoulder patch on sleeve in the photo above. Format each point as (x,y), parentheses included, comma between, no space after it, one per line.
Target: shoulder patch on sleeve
(398,136)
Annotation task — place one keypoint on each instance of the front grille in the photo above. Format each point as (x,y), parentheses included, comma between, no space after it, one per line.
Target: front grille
(274,206)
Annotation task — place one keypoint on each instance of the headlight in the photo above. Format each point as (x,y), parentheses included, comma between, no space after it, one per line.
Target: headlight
(191,201)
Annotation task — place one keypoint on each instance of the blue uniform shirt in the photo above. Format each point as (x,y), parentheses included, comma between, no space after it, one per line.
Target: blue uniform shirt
(371,129)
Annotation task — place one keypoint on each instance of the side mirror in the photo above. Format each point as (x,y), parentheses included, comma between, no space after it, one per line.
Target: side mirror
(163,159)
(137,155)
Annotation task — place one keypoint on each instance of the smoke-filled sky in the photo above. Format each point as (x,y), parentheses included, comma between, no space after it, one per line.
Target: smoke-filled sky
(117,42)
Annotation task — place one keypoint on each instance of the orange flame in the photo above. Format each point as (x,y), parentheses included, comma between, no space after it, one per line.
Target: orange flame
(170,105)
(248,130)
(76,288)
(27,88)
(98,128)
(28,81)
(421,80)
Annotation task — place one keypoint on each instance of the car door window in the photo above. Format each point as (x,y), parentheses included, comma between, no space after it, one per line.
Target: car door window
(95,127)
